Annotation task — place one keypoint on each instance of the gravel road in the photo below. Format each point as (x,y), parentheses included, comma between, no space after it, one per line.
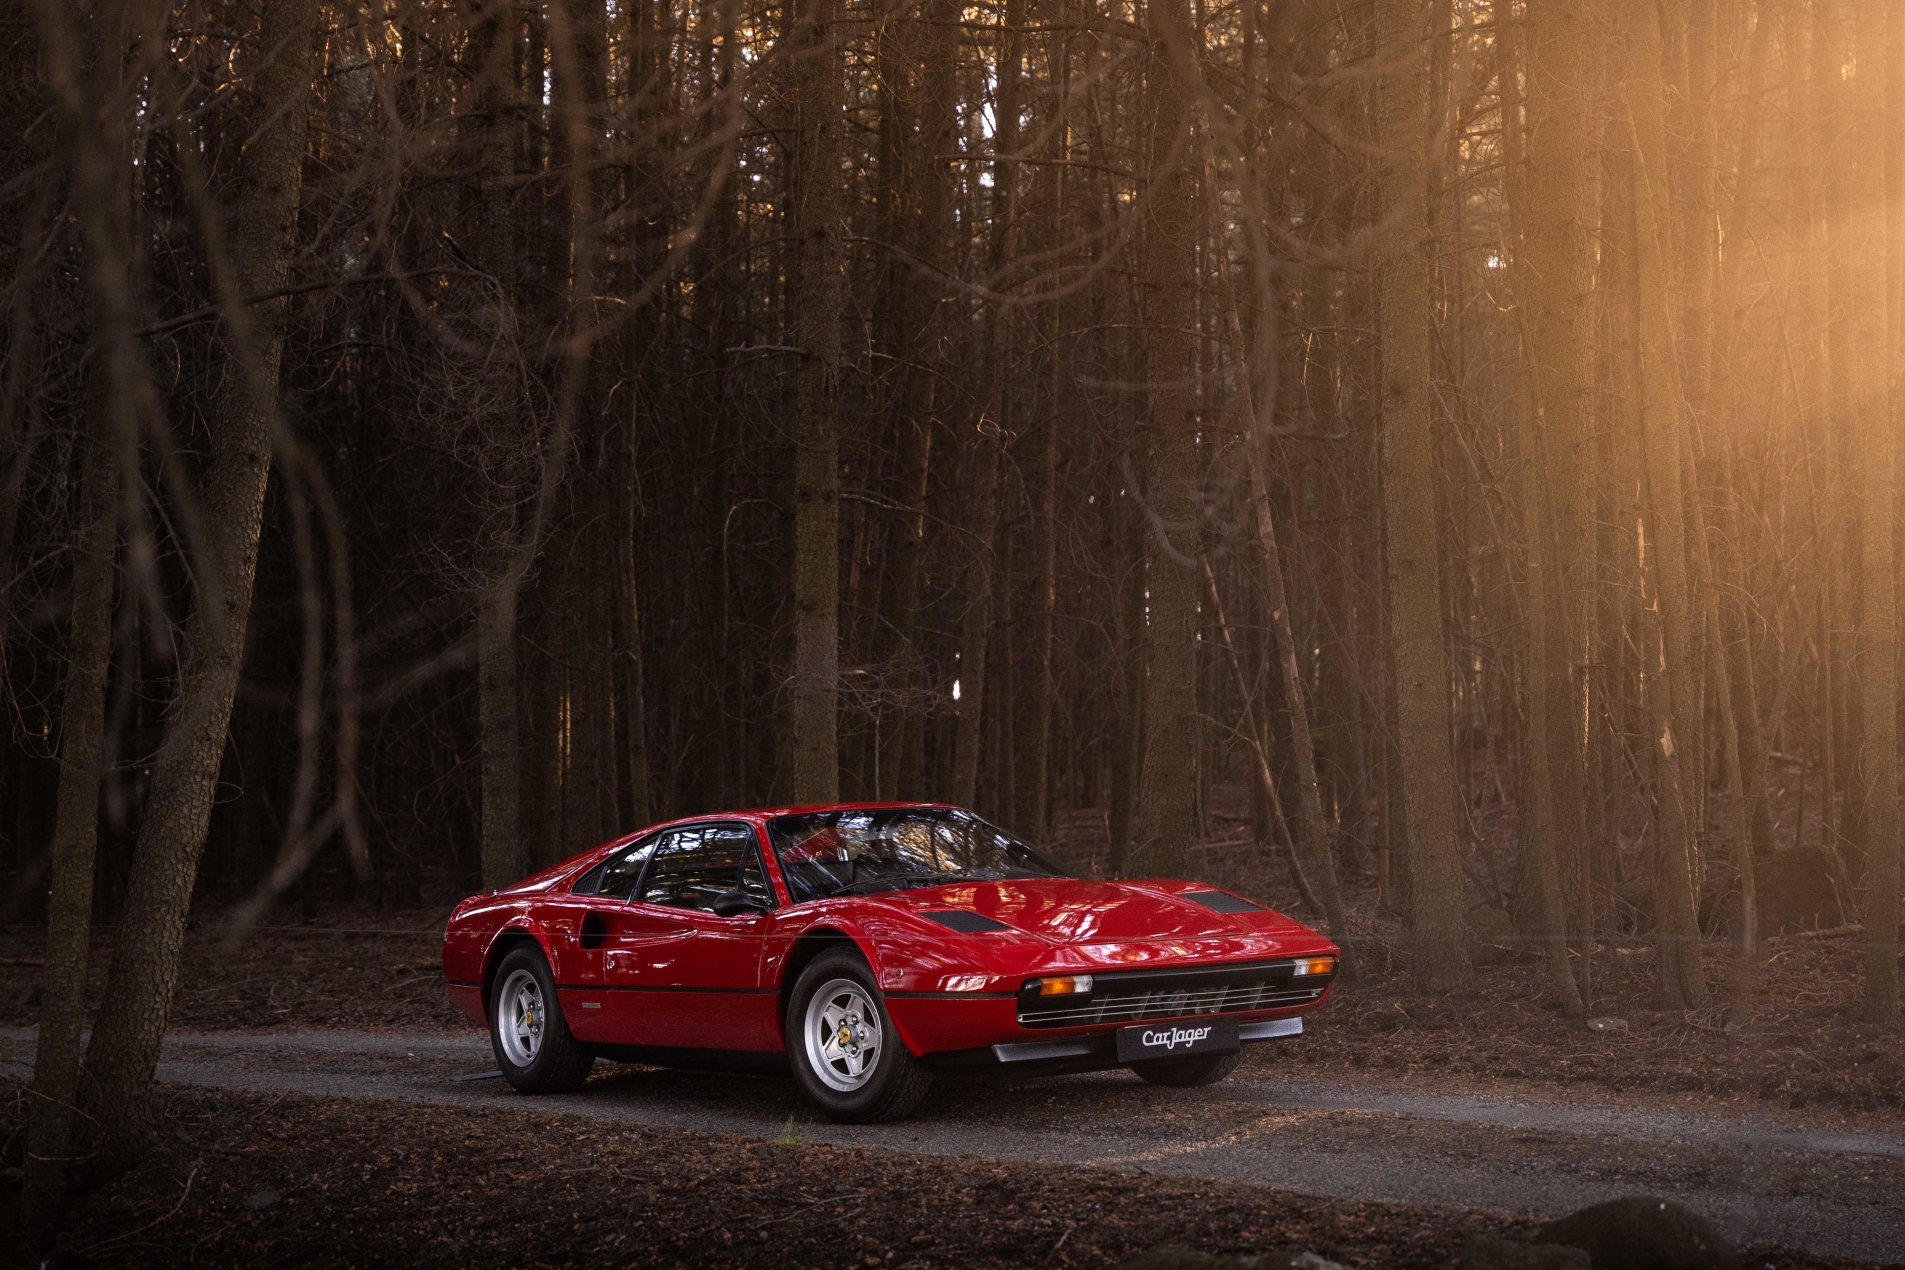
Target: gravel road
(1810,1186)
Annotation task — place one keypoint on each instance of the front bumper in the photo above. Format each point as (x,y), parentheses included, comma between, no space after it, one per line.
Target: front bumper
(1078,1053)
(1032,1051)
(1255,992)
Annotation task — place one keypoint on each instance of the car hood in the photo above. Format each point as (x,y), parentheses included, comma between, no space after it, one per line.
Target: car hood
(1083,913)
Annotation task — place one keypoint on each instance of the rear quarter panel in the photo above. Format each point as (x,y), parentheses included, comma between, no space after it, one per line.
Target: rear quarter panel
(473,939)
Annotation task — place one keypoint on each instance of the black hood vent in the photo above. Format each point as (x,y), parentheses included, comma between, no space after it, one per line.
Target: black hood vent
(1221,901)
(966,923)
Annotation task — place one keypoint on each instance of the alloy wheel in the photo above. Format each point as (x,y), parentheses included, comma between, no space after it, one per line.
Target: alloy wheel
(521,1017)
(844,1037)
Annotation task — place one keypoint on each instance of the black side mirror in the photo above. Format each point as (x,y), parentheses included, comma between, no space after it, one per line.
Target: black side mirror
(735,903)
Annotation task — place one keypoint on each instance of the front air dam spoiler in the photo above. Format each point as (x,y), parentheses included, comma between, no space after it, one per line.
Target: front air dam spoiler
(1078,1053)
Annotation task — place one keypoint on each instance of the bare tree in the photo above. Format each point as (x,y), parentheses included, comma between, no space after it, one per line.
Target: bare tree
(1876,432)
(813,35)
(1671,693)
(1408,505)
(124,1050)
(1167,800)
(90,92)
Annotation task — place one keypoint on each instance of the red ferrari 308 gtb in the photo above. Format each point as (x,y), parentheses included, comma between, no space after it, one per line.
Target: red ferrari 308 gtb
(867,947)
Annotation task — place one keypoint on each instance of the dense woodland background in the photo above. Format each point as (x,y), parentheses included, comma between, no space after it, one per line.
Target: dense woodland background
(1445,448)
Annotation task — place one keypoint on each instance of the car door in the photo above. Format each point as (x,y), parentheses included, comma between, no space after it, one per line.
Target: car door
(690,978)
(587,925)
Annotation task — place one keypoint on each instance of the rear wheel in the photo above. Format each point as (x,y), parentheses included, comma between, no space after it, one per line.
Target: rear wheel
(526,1028)
(843,1047)
(1188,1073)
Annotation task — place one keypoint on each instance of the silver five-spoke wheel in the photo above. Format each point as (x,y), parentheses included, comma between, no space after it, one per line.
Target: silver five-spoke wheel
(843,1035)
(522,1017)
(845,1051)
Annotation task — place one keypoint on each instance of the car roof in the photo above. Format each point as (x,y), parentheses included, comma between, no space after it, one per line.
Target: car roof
(810,809)
(801,809)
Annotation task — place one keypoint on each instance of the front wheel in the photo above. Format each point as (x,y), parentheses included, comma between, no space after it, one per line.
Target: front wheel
(843,1047)
(527,1031)
(1188,1073)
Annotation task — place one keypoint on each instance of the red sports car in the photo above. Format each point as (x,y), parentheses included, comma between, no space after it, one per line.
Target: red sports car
(867,947)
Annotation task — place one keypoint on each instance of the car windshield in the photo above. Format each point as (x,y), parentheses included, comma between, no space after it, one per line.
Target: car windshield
(825,853)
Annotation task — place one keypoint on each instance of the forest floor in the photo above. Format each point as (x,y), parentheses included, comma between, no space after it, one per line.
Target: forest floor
(251,1179)
(413,1169)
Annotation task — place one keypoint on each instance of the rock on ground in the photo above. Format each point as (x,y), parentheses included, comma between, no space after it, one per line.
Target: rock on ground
(1642,1232)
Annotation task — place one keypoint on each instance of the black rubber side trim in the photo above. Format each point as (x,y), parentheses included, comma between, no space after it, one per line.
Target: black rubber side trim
(965,921)
(600,987)
(1221,901)
(954,996)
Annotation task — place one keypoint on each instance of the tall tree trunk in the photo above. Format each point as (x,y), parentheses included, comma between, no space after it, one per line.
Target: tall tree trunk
(1686,192)
(1730,371)
(1557,236)
(1835,164)
(101,172)
(818,230)
(631,713)
(1036,800)
(984,583)
(1876,432)
(975,627)
(124,1051)
(1746,764)
(498,670)
(1167,800)
(1617,467)
(27,232)
(1001,799)
(505,857)
(1127,733)
(1402,278)
(927,201)
(1554,279)
(82,743)
(1672,691)
(1816,84)
(1037,814)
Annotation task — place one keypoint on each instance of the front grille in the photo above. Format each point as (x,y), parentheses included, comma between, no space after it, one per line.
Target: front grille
(1135,996)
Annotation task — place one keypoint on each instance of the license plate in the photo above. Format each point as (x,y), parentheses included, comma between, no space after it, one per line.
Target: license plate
(1215,1034)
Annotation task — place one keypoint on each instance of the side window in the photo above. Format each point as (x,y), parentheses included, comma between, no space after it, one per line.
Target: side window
(754,883)
(693,866)
(617,875)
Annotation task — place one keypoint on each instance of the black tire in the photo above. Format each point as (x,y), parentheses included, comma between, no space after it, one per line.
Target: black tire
(896,1081)
(1188,1073)
(553,1062)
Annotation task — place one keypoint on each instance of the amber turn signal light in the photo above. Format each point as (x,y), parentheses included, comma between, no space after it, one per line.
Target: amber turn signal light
(1315,966)
(1068,985)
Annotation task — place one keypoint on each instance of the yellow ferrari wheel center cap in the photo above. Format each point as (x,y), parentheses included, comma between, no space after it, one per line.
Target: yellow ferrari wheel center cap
(846,1035)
